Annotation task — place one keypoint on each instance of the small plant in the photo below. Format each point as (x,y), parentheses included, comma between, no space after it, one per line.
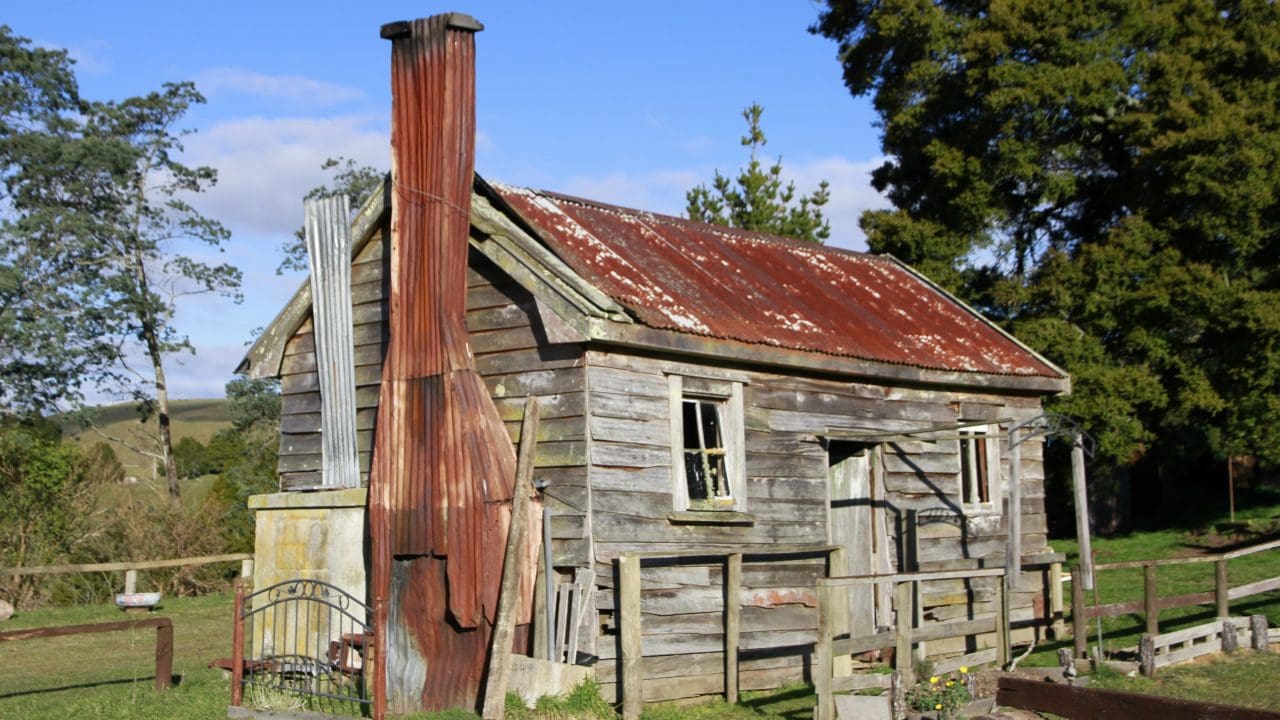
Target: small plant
(942,695)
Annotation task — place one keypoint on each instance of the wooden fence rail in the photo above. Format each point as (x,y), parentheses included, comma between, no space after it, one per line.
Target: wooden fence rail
(1151,604)
(631,670)
(904,635)
(164,639)
(127,565)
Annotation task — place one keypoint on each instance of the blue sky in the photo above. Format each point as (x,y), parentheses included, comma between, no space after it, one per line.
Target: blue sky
(630,103)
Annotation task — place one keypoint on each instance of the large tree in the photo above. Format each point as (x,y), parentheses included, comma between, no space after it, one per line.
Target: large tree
(1103,177)
(100,240)
(758,198)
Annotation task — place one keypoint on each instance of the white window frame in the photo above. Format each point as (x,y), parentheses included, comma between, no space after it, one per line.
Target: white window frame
(727,396)
(970,458)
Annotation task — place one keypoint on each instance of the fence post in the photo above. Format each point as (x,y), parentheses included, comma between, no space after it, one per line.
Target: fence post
(629,628)
(237,648)
(732,616)
(905,602)
(823,664)
(1258,628)
(1003,654)
(1147,654)
(130,582)
(164,655)
(1057,626)
(1149,599)
(1220,588)
(838,612)
(1079,633)
(1230,640)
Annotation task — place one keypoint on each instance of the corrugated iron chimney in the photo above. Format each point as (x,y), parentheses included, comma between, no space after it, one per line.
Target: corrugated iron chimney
(444,465)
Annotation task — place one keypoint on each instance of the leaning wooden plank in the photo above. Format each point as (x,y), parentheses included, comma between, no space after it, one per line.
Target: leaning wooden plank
(500,653)
(1078,702)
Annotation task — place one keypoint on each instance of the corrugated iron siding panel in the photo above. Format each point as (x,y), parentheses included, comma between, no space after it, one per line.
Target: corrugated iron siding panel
(719,282)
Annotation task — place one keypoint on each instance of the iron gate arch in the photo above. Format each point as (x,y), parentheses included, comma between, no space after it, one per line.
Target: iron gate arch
(304,644)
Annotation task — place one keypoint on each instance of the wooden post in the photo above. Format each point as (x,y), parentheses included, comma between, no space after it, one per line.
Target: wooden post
(1147,654)
(1013,551)
(164,655)
(495,686)
(1056,610)
(1258,629)
(237,648)
(732,616)
(822,669)
(629,627)
(1149,605)
(1079,633)
(1220,588)
(838,615)
(902,658)
(130,582)
(1082,512)
(1003,652)
(1230,641)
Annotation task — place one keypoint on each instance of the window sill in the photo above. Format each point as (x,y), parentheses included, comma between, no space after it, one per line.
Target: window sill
(710,517)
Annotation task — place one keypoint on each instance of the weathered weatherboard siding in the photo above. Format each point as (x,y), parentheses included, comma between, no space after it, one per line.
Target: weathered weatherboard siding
(787,481)
(509,340)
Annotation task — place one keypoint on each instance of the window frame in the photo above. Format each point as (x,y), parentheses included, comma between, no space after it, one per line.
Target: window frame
(971,461)
(726,396)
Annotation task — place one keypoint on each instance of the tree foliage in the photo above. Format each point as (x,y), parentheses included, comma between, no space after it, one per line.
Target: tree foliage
(1101,176)
(100,240)
(249,468)
(350,178)
(758,199)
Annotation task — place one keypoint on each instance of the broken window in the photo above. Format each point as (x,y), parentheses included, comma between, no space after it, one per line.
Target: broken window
(980,469)
(704,453)
(707,454)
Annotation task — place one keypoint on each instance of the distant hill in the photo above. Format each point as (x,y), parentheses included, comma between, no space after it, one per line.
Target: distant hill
(198,419)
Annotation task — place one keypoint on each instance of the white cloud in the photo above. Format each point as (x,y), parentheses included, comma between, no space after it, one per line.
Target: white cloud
(289,88)
(663,191)
(265,165)
(660,191)
(851,194)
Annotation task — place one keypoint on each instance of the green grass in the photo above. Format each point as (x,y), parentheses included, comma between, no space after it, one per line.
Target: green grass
(111,675)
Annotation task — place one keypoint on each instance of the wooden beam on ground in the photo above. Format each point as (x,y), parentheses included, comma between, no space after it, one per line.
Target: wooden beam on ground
(1077,702)
(495,688)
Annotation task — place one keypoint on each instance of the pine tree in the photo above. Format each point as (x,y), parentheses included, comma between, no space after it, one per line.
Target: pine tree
(759,200)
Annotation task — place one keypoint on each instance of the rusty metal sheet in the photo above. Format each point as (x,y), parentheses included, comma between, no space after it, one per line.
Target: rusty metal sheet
(444,465)
(719,282)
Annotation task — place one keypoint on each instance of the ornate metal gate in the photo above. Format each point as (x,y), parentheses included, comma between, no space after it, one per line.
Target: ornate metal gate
(302,645)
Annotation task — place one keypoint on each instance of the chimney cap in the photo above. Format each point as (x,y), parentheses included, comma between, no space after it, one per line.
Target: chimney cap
(457,21)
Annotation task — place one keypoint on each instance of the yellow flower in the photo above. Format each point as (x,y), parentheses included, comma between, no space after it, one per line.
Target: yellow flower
(938,706)
(933,680)
(950,683)
(963,669)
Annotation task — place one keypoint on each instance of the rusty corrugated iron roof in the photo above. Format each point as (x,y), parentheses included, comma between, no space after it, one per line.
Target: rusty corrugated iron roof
(719,282)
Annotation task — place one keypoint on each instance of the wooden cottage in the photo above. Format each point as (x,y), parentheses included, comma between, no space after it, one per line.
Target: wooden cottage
(703,391)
